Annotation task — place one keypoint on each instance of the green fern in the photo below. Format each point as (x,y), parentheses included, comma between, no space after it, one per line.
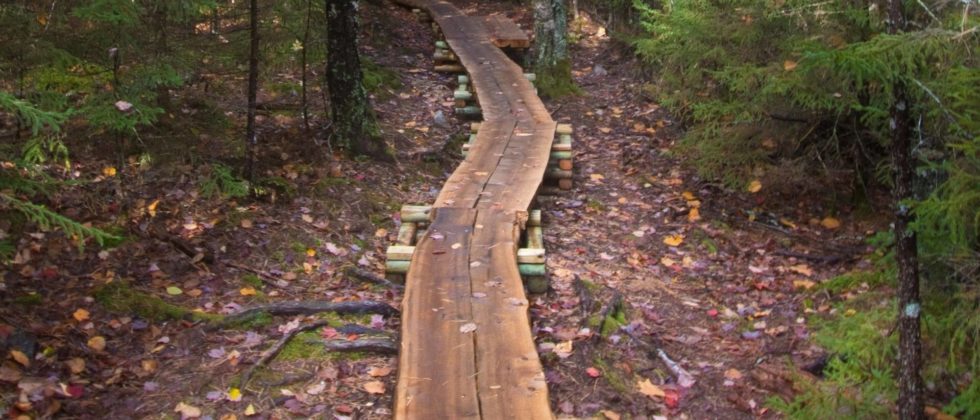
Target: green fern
(223,181)
(47,219)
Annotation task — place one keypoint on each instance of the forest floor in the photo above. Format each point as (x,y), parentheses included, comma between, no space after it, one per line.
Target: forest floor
(646,260)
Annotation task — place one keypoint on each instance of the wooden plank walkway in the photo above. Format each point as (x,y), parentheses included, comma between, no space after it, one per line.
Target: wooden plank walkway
(467,349)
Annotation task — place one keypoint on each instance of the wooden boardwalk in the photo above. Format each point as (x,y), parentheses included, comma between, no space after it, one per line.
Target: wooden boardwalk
(467,349)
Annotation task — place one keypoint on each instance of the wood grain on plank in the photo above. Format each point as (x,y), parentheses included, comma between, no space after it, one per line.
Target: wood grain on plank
(436,372)
(510,379)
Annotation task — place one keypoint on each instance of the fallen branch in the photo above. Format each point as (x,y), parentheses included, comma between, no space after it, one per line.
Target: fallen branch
(311,308)
(373,345)
(271,353)
(585,298)
(684,378)
(360,330)
(263,275)
(822,259)
(180,244)
(370,277)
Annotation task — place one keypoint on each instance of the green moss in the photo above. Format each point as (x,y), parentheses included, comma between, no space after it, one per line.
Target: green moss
(303,346)
(278,184)
(614,377)
(251,322)
(613,320)
(595,205)
(298,247)
(30,299)
(252,280)
(556,81)
(378,79)
(852,280)
(119,297)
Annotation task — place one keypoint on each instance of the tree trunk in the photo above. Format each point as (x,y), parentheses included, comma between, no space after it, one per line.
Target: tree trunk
(253,88)
(550,32)
(306,39)
(354,125)
(552,66)
(910,399)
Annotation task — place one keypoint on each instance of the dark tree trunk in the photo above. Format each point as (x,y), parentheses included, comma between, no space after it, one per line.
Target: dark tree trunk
(354,126)
(910,398)
(306,39)
(253,89)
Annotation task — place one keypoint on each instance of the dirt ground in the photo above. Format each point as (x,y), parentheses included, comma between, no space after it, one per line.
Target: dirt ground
(670,295)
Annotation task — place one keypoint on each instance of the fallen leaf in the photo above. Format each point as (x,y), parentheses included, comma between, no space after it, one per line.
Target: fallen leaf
(10,373)
(754,186)
(152,208)
(381,233)
(375,387)
(733,374)
(379,372)
(76,365)
(803,284)
(123,106)
(597,177)
(187,411)
(97,343)
(307,218)
(247,291)
(20,357)
(80,314)
(174,291)
(234,395)
(694,215)
(246,223)
(830,223)
(109,171)
(610,415)
(649,389)
(789,65)
(467,327)
(317,388)
(593,372)
(250,410)
(563,349)
(688,196)
(802,269)
(674,240)
(310,252)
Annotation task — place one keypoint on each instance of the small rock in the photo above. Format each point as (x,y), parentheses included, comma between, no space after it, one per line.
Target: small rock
(440,119)
(600,71)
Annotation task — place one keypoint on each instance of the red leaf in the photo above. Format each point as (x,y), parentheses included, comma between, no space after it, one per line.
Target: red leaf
(672,398)
(328,332)
(593,372)
(75,390)
(712,312)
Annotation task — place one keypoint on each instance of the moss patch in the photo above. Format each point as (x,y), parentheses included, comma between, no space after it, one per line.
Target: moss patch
(556,81)
(306,345)
(30,299)
(119,297)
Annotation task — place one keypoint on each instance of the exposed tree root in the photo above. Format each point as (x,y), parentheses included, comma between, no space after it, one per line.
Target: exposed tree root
(373,345)
(271,353)
(312,307)
(370,277)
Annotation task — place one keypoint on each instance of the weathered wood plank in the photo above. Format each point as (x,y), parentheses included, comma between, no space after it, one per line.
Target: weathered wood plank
(436,372)
(504,33)
(510,379)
